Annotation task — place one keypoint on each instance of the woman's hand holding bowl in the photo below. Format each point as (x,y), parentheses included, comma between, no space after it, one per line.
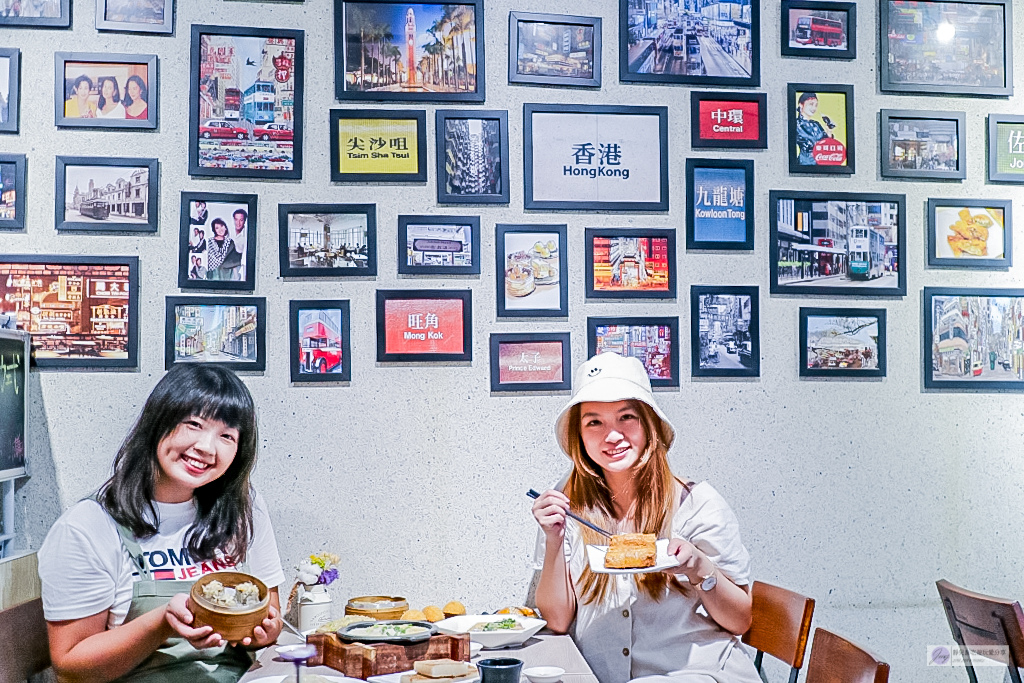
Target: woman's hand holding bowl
(179,616)
(549,511)
(267,632)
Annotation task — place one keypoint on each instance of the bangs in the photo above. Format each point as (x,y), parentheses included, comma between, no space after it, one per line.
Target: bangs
(207,392)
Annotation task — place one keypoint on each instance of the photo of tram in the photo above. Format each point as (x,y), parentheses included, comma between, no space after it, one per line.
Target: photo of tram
(866,253)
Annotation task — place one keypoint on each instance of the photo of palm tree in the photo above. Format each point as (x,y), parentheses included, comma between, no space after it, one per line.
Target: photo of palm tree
(401,47)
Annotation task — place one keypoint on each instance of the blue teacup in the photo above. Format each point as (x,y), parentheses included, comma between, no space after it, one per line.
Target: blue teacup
(500,670)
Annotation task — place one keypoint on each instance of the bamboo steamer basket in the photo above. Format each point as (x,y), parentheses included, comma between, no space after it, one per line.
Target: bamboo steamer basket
(232,624)
(377,606)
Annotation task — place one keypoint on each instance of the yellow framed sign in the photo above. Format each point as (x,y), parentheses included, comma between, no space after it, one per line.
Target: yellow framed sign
(378,145)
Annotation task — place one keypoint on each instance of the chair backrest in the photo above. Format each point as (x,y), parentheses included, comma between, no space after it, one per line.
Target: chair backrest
(835,659)
(26,647)
(982,621)
(780,625)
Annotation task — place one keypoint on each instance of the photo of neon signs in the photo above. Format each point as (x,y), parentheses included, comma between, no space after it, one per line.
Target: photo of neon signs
(439,245)
(554,49)
(720,213)
(842,342)
(630,263)
(226,331)
(320,344)
(653,341)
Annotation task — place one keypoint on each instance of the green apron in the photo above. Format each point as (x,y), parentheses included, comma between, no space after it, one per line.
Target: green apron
(176,660)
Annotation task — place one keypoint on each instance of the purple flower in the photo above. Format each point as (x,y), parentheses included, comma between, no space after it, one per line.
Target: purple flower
(327,576)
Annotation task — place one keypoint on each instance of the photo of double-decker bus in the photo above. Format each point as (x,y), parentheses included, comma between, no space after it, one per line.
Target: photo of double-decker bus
(232,104)
(819,31)
(866,253)
(320,342)
(258,102)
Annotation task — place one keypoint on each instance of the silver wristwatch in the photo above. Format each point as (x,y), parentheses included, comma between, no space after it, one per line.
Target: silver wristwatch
(708,582)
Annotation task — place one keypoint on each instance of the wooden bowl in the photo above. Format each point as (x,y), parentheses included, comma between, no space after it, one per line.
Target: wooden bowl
(232,624)
(379,607)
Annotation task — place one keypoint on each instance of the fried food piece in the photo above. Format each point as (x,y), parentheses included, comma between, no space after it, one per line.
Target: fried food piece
(433,613)
(454,609)
(970,246)
(965,215)
(631,551)
(413,615)
(518,609)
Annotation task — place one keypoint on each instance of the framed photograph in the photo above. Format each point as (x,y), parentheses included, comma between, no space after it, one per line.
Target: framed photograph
(1005,148)
(378,146)
(217,241)
(36,13)
(106,194)
(725,338)
(720,209)
(102,90)
(825,30)
(424,325)
(525,361)
(135,16)
(705,47)
(554,49)
(842,342)
(837,243)
(531,270)
(434,51)
(82,311)
(722,120)
(228,331)
(10,86)
(328,240)
(12,191)
(472,156)
(946,47)
(923,144)
(15,354)
(966,345)
(439,245)
(653,341)
(970,233)
(630,263)
(595,157)
(821,129)
(245,102)
(321,346)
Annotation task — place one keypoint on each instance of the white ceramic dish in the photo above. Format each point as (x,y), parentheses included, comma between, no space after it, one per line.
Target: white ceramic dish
(544,674)
(491,639)
(291,677)
(596,553)
(397,678)
(474,648)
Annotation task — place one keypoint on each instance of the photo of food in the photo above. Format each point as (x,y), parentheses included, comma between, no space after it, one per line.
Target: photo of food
(631,264)
(838,340)
(107,196)
(969,232)
(532,270)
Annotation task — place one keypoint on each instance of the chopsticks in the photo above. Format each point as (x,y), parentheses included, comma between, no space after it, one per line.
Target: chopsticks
(533,494)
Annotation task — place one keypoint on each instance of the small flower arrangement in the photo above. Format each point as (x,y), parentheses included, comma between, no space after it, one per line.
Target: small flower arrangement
(319,569)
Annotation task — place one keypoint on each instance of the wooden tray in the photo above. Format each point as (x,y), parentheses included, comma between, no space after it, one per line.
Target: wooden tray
(357,660)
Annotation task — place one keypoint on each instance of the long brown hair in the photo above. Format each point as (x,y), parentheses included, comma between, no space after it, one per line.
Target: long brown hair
(657,498)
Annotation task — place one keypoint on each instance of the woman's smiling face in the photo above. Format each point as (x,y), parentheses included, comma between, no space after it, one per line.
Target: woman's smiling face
(613,434)
(195,453)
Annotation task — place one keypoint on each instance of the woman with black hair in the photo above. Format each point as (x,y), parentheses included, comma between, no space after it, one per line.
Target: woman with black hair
(117,568)
(77,105)
(217,250)
(136,98)
(109,104)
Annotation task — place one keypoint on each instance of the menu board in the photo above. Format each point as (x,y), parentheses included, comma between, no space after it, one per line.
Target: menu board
(14,360)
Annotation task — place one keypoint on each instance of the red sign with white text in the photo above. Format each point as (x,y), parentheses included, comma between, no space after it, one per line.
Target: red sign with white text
(527,362)
(423,326)
(829,152)
(729,120)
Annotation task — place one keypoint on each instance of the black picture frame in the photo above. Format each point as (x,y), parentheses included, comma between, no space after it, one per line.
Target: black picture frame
(59,350)
(241,337)
(803,147)
(162,23)
(958,350)
(1002,159)
(520,275)
(63,91)
(665,254)
(204,162)
(465,296)
(15,442)
(19,176)
(940,10)
(9,103)
(705,358)
(441,248)
(633,60)
(62,20)
(326,361)
(452,149)
(516,19)
(342,51)
(825,361)
(892,168)
(517,338)
(735,133)
(697,198)
(318,269)
(943,252)
(630,342)
(823,264)
(188,247)
(586,159)
(811,48)
(101,207)
(339,175)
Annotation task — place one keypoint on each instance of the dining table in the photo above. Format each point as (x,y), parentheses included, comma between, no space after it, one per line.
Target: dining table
(543,649)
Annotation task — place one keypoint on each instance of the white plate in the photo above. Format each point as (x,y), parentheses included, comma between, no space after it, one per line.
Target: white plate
(397,678)
(596,553)
(492,639)
(305,672)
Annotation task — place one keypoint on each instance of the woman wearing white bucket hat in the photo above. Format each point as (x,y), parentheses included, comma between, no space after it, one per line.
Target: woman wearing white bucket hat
(680,625)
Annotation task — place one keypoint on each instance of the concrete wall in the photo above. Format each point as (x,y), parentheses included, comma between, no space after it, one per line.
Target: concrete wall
(859,494)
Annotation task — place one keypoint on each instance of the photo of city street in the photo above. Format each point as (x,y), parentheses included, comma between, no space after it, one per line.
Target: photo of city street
(655,345)
(550,49)
(975,338)
(924,144)
(682,38)
(106,194)
(215,334)
(472,156)
(724,332)
(840,342)
(8,191)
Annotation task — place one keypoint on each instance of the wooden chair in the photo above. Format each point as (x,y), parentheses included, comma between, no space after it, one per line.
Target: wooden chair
(780,626)
(836,660)
(979,621)
(23,639)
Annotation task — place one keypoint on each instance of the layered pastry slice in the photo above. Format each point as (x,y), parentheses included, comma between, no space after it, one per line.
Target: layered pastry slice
(631,551)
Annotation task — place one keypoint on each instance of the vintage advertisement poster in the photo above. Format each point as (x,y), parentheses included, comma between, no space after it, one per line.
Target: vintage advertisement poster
(821,128)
